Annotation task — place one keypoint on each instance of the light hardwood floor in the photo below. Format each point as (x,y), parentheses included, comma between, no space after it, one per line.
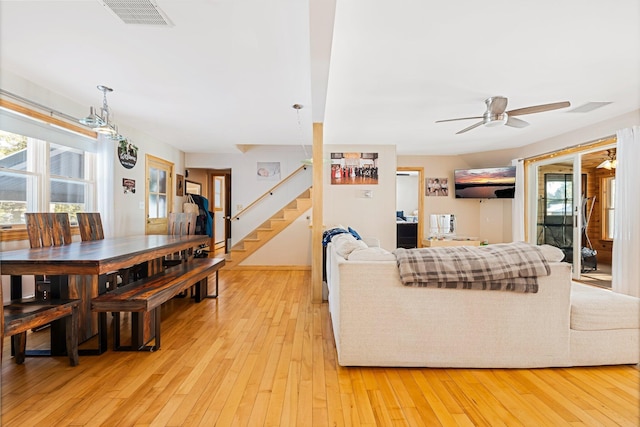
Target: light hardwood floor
(262,354)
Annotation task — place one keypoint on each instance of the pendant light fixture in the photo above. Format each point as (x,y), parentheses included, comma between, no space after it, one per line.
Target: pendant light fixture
(101,122)
(307,160)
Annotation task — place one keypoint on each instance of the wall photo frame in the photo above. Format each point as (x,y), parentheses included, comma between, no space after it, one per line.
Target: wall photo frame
(268,171)
(354,168)
(179,185)
(437,187)
(193,187)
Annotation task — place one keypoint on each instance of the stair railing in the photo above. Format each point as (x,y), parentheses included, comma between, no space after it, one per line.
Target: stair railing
(269,192)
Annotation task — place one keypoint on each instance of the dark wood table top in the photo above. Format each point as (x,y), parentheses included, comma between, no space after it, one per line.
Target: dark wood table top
(95,257)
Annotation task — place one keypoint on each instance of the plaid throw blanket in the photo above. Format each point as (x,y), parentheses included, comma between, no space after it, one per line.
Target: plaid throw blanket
(505,266)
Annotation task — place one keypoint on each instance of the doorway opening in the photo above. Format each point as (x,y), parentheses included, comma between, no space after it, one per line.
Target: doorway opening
(409,206)
(220,196)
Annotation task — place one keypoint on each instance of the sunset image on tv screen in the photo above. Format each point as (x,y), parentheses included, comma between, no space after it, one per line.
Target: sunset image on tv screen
(488,183)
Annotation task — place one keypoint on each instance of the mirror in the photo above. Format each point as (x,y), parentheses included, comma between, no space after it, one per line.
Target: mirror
(442,225)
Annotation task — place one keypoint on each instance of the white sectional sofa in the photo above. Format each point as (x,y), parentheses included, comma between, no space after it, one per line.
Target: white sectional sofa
(378,321)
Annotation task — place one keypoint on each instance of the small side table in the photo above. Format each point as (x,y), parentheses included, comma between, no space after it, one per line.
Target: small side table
(449,242)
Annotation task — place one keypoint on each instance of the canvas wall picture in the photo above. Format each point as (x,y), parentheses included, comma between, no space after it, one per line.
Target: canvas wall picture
(354,168)
(437,187)
(268,171)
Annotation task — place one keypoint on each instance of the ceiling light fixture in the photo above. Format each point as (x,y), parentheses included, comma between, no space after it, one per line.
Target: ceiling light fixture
(101,123)
(610,163)
(307,160)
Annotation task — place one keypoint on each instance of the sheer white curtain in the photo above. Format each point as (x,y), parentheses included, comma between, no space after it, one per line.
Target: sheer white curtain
(517,207)
(104,174)
(626,231)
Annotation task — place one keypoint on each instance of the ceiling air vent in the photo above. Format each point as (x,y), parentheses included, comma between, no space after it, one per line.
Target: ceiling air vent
(137,12)
(589,106)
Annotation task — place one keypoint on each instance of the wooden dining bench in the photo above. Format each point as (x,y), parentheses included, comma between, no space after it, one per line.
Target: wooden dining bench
(147,296)
(20,316)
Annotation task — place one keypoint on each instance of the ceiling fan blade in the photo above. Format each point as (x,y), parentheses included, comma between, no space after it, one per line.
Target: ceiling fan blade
(470,127)
(539,108)
(496,105)
(516,123)
(461,118)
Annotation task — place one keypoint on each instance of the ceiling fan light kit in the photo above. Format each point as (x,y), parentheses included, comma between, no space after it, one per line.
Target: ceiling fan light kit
(496,114)
(610,163)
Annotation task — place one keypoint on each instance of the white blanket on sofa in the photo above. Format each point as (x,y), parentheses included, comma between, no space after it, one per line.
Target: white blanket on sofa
(506,266)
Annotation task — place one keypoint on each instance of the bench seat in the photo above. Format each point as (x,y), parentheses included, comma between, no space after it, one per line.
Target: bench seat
(29,313)
(147,296)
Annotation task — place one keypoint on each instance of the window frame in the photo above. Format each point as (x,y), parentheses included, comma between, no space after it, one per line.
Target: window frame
(607,197)
(38,166)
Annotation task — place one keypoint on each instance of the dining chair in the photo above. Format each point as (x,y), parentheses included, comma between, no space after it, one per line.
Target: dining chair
(90,227)
(46,229)
(179,224)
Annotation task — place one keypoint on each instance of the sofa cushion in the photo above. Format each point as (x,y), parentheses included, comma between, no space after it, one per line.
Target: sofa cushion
(371,254)
(346,243)
(551,253)
(595,309)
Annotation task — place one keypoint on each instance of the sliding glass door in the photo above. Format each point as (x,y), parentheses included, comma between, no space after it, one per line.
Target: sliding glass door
(555,194)
(569,199)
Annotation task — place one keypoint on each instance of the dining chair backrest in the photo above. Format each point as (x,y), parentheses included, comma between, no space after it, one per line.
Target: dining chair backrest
(181,224)
(48,229)
(90,226)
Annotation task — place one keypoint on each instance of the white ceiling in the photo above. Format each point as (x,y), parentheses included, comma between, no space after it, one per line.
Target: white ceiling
(227,73)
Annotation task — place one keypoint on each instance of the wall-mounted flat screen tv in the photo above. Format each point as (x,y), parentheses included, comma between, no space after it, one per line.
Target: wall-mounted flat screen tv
(488,183)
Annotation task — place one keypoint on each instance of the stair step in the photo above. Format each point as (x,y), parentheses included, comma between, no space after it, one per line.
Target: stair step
(269,228)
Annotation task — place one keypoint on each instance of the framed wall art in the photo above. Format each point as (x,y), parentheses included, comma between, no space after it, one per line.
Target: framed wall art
(354,168)
(437,187)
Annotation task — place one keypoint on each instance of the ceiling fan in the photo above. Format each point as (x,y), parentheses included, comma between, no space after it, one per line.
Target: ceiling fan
(495,115)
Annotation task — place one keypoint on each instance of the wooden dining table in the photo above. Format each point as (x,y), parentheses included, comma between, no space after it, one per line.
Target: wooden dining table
(75,270)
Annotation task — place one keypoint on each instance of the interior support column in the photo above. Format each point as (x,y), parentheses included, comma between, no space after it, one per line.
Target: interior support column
(316,212)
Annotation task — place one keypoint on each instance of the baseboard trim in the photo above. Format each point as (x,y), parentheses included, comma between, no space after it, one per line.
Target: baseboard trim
(273,267)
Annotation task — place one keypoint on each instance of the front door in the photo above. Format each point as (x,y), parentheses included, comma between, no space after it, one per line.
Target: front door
(159,200)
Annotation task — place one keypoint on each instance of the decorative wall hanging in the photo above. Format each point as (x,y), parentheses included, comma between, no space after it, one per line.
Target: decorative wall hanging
(127,154)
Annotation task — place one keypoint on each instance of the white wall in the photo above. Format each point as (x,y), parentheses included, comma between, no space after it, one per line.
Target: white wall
(346,205)
(129,208)
(278,251)
(481,219)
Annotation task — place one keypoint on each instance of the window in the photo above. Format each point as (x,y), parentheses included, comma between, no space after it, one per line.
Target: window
(36,175)
(558,194)
(218,195)
(157,193)
(608,194)
(14,178)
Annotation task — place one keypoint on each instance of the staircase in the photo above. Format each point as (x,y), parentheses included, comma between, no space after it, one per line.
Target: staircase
(268,230)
